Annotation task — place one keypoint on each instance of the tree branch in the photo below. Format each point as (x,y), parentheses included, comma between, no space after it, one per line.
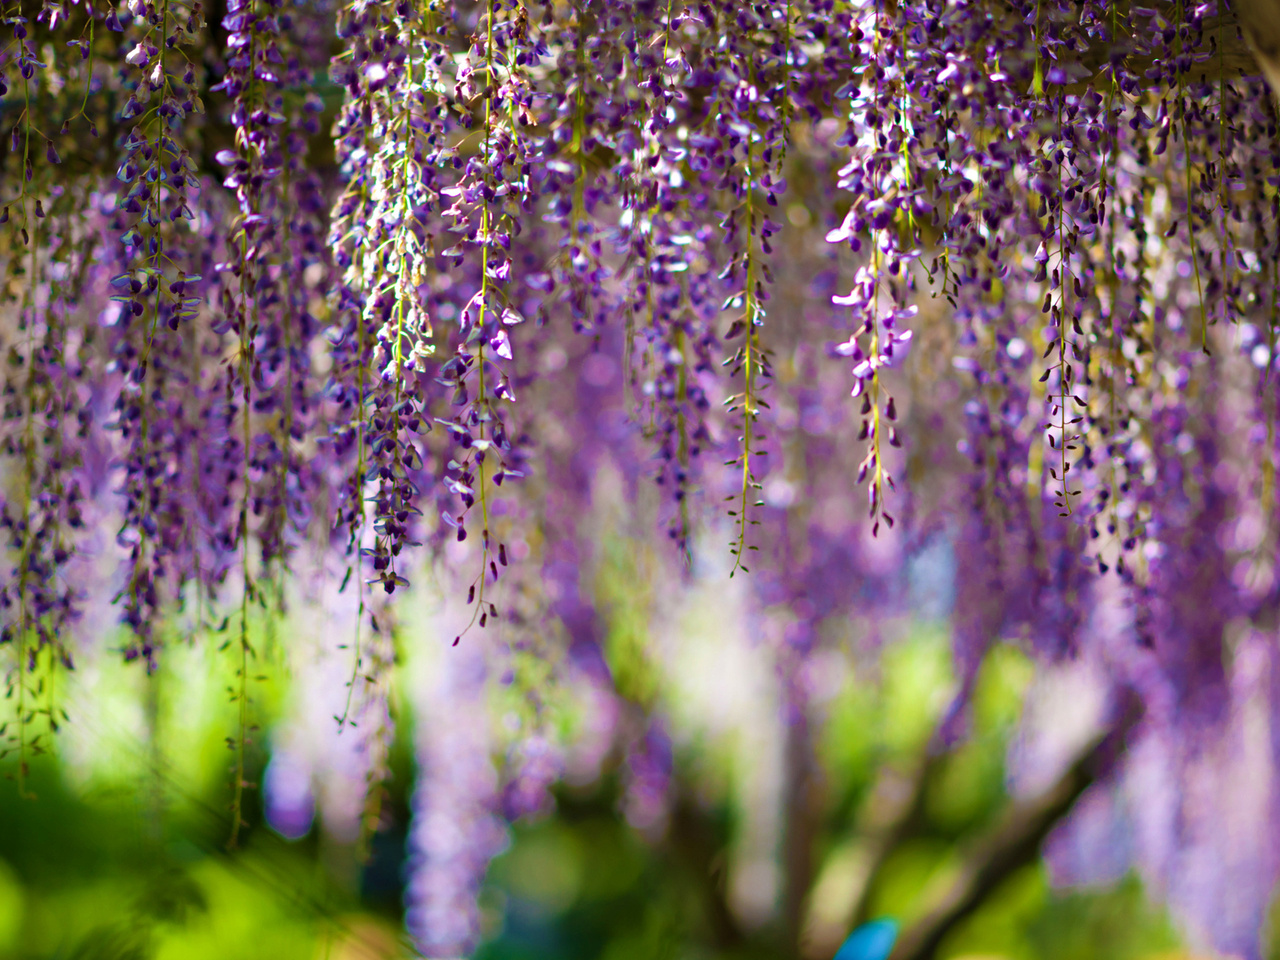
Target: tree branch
(1013,843)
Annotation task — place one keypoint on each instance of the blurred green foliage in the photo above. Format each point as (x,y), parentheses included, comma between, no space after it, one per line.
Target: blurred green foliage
(122,855)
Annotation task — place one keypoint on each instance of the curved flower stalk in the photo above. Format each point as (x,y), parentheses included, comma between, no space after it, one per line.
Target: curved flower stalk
(277,231)
(42,507)
(154,208)
(47,249)
(586,122)
(396,130)
(285,352)
(883,214)
(670,340)
(191,423)
(670,343)
(753,122)
(352,379)
(250,304)
(728,142)
(391,141)
(666,346)
(484,213)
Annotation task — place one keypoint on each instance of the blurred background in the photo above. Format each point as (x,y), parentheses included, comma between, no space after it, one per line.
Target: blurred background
(681,810)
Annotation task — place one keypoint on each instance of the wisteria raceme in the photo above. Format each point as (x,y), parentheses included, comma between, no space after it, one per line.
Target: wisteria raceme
(153,209)
(396,284)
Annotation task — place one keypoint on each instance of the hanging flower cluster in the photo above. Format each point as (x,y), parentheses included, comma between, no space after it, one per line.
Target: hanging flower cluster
(387,282)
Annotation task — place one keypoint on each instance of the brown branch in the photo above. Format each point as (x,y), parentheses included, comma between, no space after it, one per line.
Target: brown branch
(803,809)
(1013,843)
(696,844)
(893,821)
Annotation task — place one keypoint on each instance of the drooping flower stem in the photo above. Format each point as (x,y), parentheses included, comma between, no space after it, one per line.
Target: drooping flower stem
(747,359)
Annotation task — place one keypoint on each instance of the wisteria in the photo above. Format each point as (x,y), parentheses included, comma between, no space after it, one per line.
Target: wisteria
(381,290)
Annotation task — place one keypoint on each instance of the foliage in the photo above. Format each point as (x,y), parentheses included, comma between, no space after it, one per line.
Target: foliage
(98,865)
